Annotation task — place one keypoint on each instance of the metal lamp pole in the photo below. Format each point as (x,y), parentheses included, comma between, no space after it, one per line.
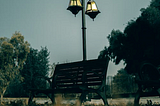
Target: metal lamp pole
(84,31)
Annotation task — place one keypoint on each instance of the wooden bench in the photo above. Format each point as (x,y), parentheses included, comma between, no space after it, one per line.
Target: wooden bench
(78,77)
(148,82)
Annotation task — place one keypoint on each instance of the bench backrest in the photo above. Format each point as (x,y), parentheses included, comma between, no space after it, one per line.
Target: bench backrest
(148,71)
(91,73)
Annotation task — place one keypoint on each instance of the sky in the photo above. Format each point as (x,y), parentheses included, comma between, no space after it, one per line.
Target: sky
(48,23)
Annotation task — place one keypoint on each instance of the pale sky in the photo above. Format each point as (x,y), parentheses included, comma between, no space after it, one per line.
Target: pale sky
(48,23)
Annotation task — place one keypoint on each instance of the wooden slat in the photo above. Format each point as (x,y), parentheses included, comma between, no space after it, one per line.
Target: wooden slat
(93,75)
(69,80)
(93,84)
(94,79)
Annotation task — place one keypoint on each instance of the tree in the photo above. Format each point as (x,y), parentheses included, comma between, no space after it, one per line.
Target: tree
(140,40)
(123,83)
(103,54)
(13,54)
(36,69)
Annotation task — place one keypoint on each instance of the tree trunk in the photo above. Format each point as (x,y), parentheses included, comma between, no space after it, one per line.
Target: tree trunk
(1,98)
(2,93)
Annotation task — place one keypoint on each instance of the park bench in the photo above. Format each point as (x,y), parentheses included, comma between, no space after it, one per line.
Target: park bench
(82,77)
(148,82)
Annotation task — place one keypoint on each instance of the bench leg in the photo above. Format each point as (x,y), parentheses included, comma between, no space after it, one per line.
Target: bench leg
(31,96)
(136,100)
(52,97)
(104,98)
(83,97)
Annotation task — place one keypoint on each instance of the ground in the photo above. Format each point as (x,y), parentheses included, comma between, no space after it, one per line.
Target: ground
(73,102)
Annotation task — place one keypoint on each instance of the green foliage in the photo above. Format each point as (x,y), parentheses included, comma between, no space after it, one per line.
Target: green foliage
(13,53)
(140,41)
(103,53)
(21,49)
(36,69)
(123,83)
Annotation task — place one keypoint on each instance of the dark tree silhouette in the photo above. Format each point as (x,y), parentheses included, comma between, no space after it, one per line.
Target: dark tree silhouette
(140,40)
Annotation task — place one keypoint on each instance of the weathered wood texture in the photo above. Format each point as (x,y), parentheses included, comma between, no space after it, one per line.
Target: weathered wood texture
(78,77)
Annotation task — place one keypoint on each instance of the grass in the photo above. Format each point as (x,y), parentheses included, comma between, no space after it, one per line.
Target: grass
(23,102)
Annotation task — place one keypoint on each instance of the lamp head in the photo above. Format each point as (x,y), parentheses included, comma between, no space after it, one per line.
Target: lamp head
(92,9)
(75,6)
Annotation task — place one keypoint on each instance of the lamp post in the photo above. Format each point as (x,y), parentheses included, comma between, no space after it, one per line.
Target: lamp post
(75,6)
(84,32)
